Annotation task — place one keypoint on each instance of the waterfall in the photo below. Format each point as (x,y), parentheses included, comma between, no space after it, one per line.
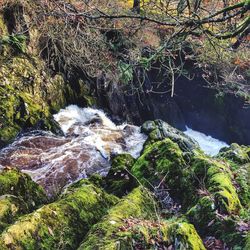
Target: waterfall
(90,139)
(208,144)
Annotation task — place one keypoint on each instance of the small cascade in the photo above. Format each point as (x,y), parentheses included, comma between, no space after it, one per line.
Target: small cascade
(90,139)
(208,144)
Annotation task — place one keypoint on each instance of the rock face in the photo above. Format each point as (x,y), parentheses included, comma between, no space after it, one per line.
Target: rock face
(220,114)
(29,94)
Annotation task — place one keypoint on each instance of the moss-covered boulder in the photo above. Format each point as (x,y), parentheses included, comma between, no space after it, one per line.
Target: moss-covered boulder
(62,224)
(217,179)
(11,207)
(132,224)
(138,204)
(159,130)
(218,210)
(162,163)
(236,153)
(119,180)
(14,182)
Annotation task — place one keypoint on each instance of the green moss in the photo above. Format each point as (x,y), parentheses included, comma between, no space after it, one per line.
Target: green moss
(247,246)
(217,179)
(11,207)
(137,204)
(163,162)
(59,225)
(236,153)
(218,210)
(27,96)
(184,236)
(202,213)
(86,94)
(119,180)
(132,224)
(13,182)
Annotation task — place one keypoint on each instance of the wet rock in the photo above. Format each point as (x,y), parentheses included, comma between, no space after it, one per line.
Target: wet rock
(158,130)
(61,224)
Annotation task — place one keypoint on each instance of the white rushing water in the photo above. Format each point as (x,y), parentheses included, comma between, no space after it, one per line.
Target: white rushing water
(208,144)
(90,139)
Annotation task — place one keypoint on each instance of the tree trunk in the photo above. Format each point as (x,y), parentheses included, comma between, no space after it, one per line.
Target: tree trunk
(136,6)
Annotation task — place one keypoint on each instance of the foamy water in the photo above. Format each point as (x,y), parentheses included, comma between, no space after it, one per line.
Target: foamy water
(208,144)
(90,140)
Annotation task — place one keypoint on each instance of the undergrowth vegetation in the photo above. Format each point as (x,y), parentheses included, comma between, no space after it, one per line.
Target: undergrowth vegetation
(109,40)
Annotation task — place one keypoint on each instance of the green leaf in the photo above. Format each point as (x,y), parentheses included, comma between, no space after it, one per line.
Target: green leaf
(126,72)
(17,41)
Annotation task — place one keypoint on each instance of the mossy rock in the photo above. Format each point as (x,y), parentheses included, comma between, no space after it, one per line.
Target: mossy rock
(119,180)
(184,236)
(242,178)
(28,96)
(132,224)
(138,204)
(236,153)
(62,224)
(217,179)
(11,207)
(218,209)
(247,246)
(14,182)
(159,130)
(163,162)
